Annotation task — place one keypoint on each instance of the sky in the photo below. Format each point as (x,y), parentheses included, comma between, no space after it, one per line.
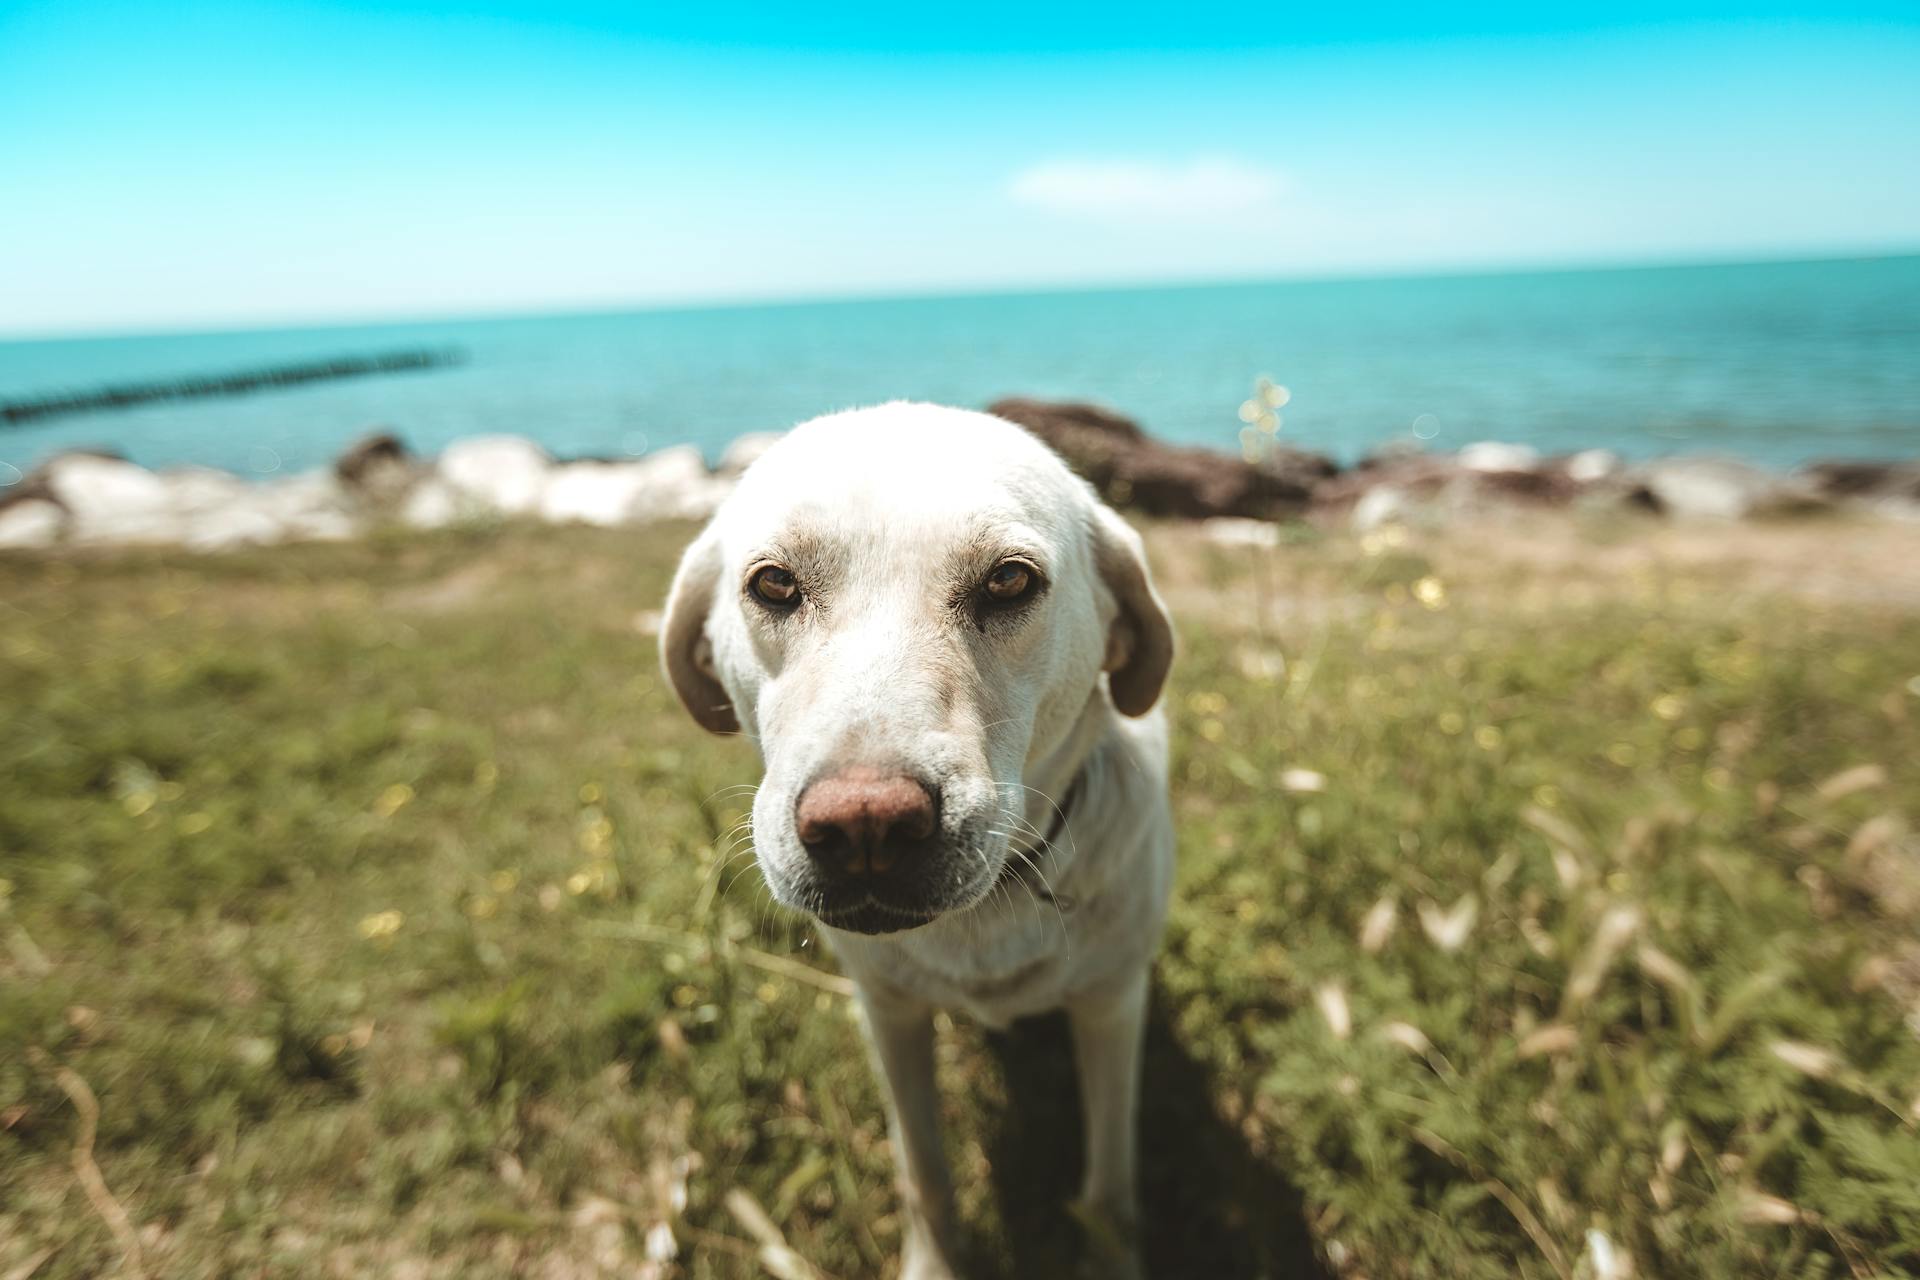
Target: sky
(199,165)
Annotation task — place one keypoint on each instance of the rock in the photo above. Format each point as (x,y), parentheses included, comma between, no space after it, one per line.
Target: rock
(32,522)
(434,504)
(670,484)
(1493,456)
(505,475)
(679,487)
(111,499)
(243,524)
(604,493)
(1541,488)
(1399,486)
(1131,469)
(1888,489)
(1868,480)
(312,506)
(1715,489)
(1851,479)
(192,491)
(745,451)
(1590,466)
(378,466)
(1375,507)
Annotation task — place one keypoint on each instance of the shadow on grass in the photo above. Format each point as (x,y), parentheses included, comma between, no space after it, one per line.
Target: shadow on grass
(1210,1206)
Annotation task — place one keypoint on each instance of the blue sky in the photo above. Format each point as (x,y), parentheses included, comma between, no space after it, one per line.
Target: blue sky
(214,164)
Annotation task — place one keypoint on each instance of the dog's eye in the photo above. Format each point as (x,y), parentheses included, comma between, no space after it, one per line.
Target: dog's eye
(775,586)
(1010,582)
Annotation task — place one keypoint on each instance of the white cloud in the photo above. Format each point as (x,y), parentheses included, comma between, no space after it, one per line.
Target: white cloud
(1206,188)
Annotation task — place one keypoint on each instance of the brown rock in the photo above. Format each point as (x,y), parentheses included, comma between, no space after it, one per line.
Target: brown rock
(1131,469)
(378,464)
(1864,479)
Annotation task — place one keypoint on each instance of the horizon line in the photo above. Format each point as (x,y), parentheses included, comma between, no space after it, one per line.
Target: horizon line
(942,293)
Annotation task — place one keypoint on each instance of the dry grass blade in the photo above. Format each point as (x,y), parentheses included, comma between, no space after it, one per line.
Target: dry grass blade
(91,1180)
(1528,1220)
(641,931)
(1378,925)
(1450,928)
(775,1254)
(33,1263)
(1555,828)
(1862,777)
(1332,999)
(1617,926)
(1554,1038)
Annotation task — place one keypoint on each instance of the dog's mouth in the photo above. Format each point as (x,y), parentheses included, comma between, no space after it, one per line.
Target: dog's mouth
(874,917)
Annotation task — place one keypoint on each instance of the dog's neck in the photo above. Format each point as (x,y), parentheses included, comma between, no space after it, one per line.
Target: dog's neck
(1055,784)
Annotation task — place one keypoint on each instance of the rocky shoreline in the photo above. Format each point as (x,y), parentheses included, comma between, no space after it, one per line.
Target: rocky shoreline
(95,499)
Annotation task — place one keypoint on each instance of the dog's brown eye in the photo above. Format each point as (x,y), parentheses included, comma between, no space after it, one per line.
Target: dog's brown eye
(775,586)
(1009,581)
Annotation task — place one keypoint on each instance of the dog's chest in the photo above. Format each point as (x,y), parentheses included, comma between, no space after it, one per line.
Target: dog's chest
(1027,961)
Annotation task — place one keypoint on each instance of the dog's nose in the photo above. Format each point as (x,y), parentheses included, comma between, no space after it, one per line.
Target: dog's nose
(860,821)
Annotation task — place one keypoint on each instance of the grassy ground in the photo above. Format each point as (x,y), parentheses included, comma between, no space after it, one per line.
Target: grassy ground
(1547,904)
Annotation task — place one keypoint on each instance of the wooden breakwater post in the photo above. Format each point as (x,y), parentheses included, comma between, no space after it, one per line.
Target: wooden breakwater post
(125,395)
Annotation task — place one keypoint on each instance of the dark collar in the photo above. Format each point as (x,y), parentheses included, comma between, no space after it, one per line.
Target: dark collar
(1027,869)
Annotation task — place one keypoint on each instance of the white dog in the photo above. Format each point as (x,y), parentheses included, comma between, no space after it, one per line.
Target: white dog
(948,652)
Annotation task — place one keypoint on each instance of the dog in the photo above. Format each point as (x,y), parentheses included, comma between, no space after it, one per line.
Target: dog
(949,653)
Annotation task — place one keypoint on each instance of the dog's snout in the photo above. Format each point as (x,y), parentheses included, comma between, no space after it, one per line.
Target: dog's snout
(863,821)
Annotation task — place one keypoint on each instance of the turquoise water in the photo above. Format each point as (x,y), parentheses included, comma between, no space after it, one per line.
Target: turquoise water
(1779,362)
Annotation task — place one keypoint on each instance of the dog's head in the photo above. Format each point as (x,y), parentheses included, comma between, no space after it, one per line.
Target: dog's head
(905,607)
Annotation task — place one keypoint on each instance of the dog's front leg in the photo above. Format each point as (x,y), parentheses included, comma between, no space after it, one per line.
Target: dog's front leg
(1108,1027)
(902,1036)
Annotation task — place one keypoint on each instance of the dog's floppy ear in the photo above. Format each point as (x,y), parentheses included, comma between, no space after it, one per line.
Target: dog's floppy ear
(685,651)
(1140,641)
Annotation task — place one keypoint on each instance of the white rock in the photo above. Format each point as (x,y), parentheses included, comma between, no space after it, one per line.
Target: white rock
(315,505)
(1233,531)
(604,493)
(1592,465)
(191,490)
(670,484)
(504,474)
(679,486)
(1380,505)
(111,500)
(434,504)
(1708,488)
(242,524)
(745,451)
(1492,455)
(31,522)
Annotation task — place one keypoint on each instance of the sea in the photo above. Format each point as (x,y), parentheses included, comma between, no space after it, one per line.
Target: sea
(1779,363)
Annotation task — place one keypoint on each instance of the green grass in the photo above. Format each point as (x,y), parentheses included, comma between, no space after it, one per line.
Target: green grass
(384,899)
